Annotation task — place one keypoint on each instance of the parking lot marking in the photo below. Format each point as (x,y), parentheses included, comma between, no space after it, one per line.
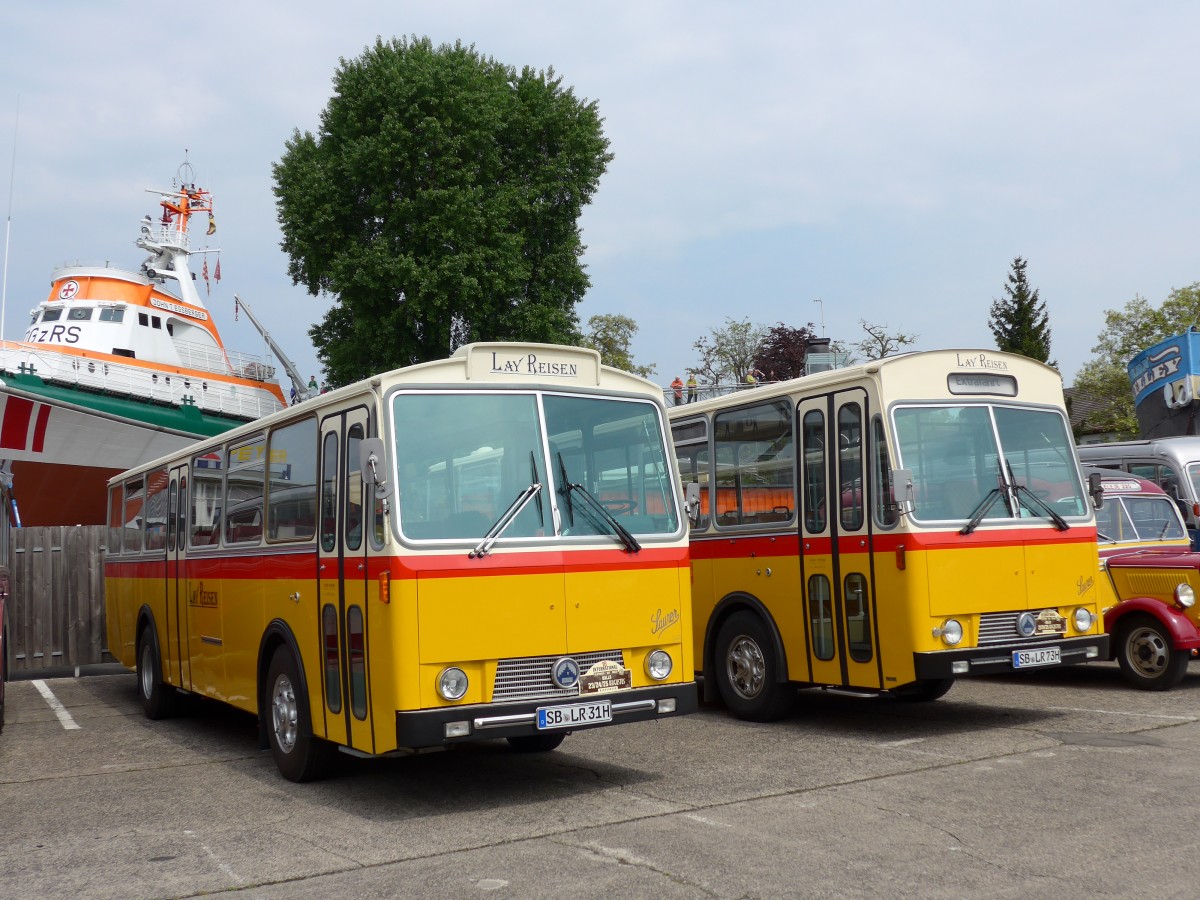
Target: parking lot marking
(59,710)
(1117,712)
(225,869)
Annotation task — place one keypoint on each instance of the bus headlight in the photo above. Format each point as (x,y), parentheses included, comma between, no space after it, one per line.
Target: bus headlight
(658,664)
(1083,618)
(452,683)
(951,632)
(1185,596)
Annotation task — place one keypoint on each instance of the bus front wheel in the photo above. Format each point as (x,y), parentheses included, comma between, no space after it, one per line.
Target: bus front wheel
(299,755)
(536,743)
(924,691)
(1147,659)
(158,699)
(748,670)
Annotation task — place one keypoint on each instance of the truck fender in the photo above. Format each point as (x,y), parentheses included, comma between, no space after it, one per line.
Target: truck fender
(1184,634)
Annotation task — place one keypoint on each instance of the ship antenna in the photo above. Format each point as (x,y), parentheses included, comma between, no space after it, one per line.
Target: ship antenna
(8,224)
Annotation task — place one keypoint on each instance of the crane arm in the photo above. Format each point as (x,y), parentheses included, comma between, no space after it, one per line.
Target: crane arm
(301,388)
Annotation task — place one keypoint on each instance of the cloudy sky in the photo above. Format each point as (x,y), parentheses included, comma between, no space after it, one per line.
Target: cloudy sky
(888,160)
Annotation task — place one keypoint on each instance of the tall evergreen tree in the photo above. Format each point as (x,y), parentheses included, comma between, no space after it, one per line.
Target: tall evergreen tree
(1019,321)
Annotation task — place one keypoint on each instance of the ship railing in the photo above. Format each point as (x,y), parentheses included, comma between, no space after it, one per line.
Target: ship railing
(117,379)
(224,362)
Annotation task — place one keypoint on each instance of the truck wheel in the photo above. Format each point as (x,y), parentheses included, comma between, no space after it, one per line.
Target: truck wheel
(299,755)
(158,699)
(748,672)
(1147,659)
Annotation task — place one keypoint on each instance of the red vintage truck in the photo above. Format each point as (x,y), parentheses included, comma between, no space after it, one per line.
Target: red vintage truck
(1148,566)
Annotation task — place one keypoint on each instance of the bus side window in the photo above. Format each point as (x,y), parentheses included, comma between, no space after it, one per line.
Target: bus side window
(354,489)
(244,491)
(813,429)
(292,482)
(883,491)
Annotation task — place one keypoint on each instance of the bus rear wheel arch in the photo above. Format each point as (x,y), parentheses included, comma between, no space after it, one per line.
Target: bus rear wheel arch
(299,755)
(748,669)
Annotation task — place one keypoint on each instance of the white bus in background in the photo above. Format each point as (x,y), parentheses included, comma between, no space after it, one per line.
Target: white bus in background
(1172,463)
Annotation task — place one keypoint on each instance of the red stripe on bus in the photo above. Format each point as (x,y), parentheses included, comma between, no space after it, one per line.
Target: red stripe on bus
(305,565)
(713,547)
(14,429)
(39,430)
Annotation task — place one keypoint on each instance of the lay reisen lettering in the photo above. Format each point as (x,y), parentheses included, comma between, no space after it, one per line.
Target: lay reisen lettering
(531,365)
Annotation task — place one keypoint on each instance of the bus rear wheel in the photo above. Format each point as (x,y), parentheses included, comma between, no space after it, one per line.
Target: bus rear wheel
(158,698)
(748,670)
(299,755)
(536,743)
(1146,657)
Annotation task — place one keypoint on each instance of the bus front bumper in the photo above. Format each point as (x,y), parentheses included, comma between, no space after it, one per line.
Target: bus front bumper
(997,660)
(485,721)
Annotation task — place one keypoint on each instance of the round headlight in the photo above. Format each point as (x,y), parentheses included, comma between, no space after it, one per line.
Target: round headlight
(1083,618)
(1185,596)
(658,664)
(452,683)
(951,631)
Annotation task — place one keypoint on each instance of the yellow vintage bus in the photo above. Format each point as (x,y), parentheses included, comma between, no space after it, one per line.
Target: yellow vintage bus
(489,546)
(887,527)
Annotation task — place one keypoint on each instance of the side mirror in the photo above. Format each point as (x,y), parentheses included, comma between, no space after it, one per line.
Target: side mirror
(692,501)
(370,463)
(902,488)
(1096,489)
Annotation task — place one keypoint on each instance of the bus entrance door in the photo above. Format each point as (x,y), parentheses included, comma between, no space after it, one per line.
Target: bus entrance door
(836,541)
(177,668)
(344,631)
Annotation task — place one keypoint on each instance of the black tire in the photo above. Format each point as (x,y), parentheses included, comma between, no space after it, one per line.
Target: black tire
(158,699)
(537,743)
(924,691)
(3,672)
(748,672)
(299,755)
(1147,658)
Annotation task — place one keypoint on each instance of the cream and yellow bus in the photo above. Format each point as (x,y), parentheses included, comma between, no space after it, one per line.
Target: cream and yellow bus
(887,527)
(489,546)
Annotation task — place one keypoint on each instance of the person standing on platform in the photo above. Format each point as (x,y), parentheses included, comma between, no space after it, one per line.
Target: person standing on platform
(677,390)
(692,386)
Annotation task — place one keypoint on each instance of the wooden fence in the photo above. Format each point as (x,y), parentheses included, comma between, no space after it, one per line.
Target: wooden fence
(56,599)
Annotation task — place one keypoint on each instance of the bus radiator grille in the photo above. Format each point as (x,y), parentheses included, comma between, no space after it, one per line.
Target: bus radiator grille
(1001,628)
(528,677)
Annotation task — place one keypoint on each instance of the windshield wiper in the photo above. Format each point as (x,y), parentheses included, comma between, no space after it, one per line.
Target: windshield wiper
(1020,490)
(594,510)
(982,509)
(506,519)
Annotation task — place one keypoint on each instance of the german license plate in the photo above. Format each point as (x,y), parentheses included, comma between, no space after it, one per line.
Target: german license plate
(572,715)
(1043,656)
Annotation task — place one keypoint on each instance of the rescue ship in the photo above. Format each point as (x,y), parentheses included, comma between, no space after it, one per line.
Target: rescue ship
(120,367)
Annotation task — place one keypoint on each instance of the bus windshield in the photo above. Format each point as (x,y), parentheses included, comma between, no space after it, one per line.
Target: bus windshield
(988,462)
(464,459)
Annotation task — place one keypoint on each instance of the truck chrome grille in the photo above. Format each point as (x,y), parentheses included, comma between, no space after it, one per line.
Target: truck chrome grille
(528,677)
(1001,628)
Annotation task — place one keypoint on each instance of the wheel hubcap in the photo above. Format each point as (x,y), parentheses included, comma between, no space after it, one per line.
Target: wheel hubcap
(284,714)
(147,673)
(1148,652)
(746,667)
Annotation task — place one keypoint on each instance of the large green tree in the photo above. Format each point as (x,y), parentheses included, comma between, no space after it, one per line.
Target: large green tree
(438,203)
(1019,320)
(611,335)
(1104,379)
